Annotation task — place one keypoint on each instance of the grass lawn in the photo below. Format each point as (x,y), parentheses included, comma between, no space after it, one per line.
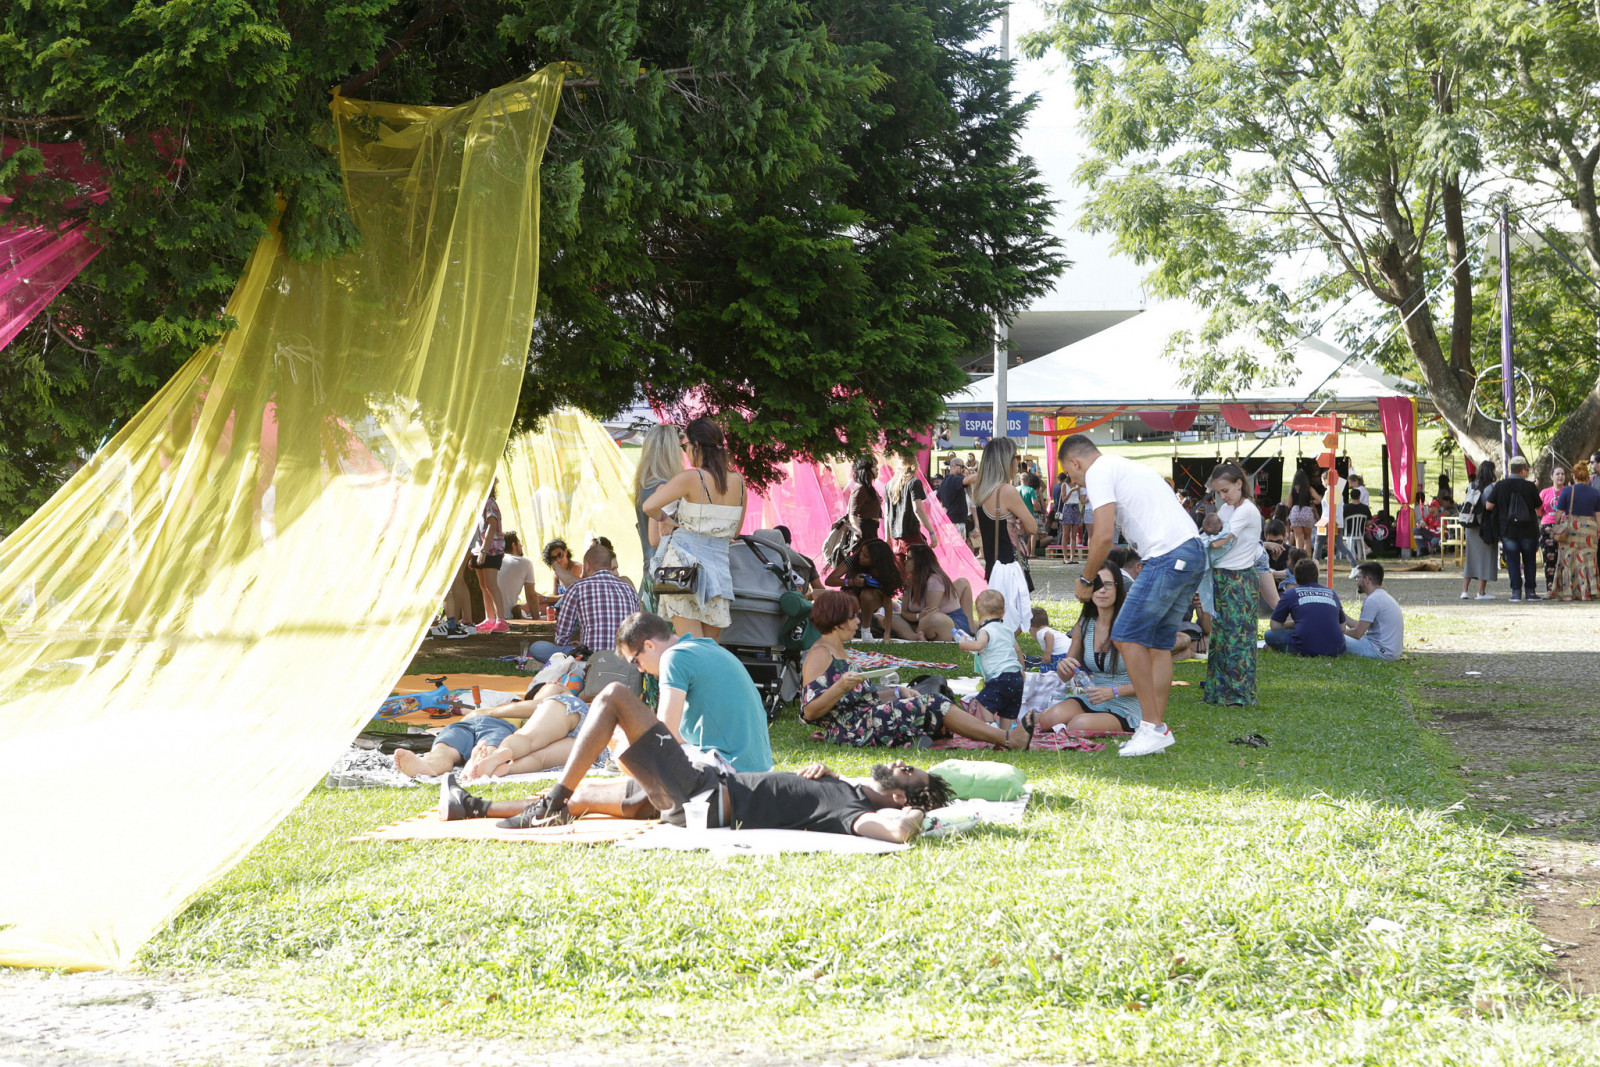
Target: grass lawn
(1215,904)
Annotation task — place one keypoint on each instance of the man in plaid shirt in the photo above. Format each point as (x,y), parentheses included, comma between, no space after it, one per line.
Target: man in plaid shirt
(596,604)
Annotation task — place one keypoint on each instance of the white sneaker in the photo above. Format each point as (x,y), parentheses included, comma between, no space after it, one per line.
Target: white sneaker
(1483,596)
(1465,595)
(1148,739)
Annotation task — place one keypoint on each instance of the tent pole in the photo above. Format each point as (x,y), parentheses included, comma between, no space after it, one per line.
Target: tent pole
(1001,329)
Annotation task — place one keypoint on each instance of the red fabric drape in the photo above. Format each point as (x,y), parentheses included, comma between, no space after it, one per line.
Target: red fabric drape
(1398,416)
(1175,421)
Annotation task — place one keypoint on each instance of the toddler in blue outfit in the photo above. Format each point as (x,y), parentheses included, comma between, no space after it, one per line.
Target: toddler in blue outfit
(996,657)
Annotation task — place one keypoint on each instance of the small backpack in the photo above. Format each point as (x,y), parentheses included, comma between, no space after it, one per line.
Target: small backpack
(1516,506)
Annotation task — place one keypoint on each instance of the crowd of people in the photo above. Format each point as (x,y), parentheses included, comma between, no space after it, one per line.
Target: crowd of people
(1165,577)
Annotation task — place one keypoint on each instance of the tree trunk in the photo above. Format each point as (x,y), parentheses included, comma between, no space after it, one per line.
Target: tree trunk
(1479,437)
(1455,245)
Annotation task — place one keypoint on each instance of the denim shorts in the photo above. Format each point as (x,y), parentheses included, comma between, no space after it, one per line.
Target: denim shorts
(575,706)
(1160,596)
(958,619)
(464,736)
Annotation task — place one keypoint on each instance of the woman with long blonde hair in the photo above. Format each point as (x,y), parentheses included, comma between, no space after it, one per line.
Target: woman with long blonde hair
(659,460)
(907,504)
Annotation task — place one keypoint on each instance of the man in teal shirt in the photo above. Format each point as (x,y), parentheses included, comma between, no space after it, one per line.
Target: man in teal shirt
(707,698)
(708,705)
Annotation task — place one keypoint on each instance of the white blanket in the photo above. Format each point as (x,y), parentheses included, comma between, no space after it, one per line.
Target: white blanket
(1039,691)
(957,817)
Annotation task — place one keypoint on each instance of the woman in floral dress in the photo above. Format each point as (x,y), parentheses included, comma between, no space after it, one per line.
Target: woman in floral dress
(852,712)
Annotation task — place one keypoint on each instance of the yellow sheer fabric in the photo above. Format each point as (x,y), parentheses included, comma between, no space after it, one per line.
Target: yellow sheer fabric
(196,625)
(570,481)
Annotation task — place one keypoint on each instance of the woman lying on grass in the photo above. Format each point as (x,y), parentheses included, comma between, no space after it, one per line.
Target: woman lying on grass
(1108,705)
(493,746)
(852,712)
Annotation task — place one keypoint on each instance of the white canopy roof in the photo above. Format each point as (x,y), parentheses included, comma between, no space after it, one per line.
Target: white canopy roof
(1127,364)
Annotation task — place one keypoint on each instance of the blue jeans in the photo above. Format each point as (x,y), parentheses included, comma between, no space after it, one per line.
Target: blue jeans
(1160,597)
(1279,640)
(543,650)
(1362,646)
(1521,555)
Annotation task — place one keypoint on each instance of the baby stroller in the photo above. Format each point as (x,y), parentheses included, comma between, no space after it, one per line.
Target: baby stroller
(771,626)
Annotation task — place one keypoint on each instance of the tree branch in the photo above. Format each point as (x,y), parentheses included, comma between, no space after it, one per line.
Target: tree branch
(418,24)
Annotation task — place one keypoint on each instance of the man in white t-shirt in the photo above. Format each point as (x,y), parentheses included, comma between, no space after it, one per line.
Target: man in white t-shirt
(1131,495)
(1381,631)
(516,579)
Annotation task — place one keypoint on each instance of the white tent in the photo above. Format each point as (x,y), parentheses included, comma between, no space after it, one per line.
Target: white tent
(1127,365)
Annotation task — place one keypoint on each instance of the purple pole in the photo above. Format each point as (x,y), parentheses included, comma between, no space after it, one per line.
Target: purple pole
(1508,429)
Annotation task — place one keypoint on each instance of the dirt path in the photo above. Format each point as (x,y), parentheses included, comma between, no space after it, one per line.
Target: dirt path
(1513,687)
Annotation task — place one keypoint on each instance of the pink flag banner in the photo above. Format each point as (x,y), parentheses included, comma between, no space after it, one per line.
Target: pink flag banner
(1398,416)
(1177,420)
(1239,419)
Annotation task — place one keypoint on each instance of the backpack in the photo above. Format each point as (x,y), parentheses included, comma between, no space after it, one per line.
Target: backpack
(841,543)
(1469,507)
(1516,507)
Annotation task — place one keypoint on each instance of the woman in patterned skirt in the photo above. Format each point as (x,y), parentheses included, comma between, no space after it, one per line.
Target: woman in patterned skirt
(1576,578)
(1231,657)
(851,711)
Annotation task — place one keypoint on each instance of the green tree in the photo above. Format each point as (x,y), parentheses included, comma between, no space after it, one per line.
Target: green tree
(802,212)
(1230,140)
(1541,120)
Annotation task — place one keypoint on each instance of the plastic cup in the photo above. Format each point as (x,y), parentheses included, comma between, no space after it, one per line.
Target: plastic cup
(695,811)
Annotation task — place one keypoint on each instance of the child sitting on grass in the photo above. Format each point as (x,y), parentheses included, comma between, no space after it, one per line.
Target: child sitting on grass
(998,658)
(1052,642)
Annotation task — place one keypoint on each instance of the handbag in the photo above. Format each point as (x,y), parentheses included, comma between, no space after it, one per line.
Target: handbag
(680,581)
(1561,530)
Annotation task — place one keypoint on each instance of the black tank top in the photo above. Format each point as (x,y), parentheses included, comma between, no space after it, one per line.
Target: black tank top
(996,541)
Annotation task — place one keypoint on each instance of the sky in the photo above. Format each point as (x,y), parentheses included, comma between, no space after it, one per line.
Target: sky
(1098,279)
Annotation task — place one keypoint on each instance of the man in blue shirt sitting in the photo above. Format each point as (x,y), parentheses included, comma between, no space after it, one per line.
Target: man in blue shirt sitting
(1308,619)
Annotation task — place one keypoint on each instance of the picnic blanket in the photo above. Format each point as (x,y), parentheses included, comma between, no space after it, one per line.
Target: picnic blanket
(418,683)
(1043,741)
(862,660)
(589,830)
(362,768)
(957,817)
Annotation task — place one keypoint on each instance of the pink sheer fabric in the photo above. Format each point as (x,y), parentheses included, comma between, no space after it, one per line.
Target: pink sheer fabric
(1398,416)
(38,262)
(809,499)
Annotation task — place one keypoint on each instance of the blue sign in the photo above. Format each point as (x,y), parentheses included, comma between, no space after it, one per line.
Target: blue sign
(981,424)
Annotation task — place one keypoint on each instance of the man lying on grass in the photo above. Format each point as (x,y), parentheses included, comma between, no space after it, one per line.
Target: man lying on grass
(888,807)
